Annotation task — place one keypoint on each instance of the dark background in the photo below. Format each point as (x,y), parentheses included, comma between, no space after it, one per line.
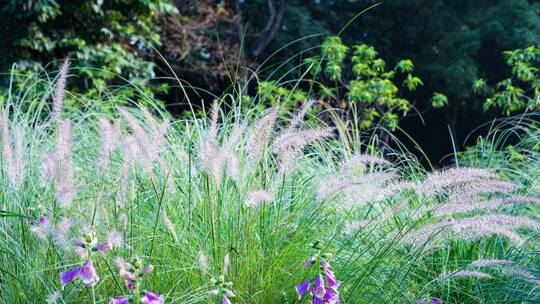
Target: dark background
(451,42)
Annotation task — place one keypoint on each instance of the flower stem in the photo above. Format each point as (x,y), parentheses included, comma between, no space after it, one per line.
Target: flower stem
(93,295)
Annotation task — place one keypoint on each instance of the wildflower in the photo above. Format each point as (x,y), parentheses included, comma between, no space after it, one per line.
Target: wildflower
(132,272)
(302,288)
(86,273)
(325,285)
(318,287)
(310,261)
(225,300)
(90,243)
(331,297)
(122,300)
(152,298)
(221,287)
(331,279)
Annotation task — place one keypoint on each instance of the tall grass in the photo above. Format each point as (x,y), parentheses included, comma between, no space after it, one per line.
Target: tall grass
(249,196)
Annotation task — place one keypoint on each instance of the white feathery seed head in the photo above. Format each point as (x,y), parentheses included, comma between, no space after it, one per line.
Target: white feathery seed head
(465,274)
(115,238)
(259,137)
(523,274)
(59,91)
(169,225)
(480,263)
(299,117)
(257,197)
(110,135)
(289,143)
(202,260)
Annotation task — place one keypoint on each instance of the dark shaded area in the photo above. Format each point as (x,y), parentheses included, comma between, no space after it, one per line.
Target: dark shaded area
(214,45)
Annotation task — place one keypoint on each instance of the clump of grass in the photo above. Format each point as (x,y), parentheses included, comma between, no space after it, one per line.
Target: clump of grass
(129,204)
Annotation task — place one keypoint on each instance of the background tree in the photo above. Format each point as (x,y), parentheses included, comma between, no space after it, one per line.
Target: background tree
(103,38)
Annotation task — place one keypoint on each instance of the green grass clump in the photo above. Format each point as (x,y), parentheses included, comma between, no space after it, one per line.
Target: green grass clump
(240,195)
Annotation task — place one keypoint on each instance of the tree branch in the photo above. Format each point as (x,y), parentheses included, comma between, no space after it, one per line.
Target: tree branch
(265,36)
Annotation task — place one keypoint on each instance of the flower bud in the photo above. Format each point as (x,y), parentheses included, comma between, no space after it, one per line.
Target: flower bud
(213,281)
(221,279)
(89,237)
(149,268)
(214,292)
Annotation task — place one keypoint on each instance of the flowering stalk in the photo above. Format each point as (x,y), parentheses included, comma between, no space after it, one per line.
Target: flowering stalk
(222,290)
(132,274)
(87,273)
(324,288)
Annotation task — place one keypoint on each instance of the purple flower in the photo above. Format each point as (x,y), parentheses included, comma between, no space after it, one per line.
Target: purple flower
(88,274)
(78,242)
(225,300)
(104,247)
(331,297)
(122,300)
(436,301)
(152,298)
(309,261)
(331,279)
(43,220)
(317,301)
(302,288)
(148,269)
(325,265)
(70,275)
(318,288)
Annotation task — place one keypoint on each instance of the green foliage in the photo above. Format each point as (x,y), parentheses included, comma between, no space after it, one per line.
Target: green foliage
(372,92)
(100,37)
(356,82)
(452,43)
(521,90)
(439,100)
(185,211)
